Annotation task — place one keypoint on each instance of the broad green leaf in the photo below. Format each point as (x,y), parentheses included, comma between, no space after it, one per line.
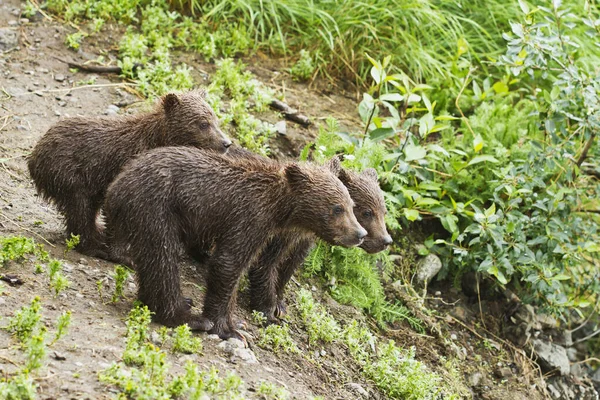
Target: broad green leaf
(491,211)
(380,134)
(462,45)
(561,277)
(445,118)
(483,158)
(413,98)
(524,7)
(500,87)
(414,152)
(392,97)
(411,214)
(427,201)
(476,90)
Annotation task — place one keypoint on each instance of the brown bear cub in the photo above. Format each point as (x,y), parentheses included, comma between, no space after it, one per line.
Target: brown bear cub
(286,253)
(76,160)
(175,199)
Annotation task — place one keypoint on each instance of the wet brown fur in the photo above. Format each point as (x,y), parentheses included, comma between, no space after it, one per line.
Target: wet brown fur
(76,160)
(284,254)
(177,199)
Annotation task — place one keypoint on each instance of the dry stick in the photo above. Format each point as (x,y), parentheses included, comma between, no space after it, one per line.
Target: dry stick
(25,229)
(97,69)
(583,155)
(290,113)
(122,84)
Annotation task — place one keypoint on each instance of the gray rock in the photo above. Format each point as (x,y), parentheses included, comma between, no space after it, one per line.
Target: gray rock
(245,355)
(8,39)
(12,23)
(59,78)
(230,345)
(475,379)
(83,261)
(427,268)
(552,356)
(504,372)
(546,321)
(111,110)
(281,128)
(213,337)
(596,376)
(2,300)
(358,389)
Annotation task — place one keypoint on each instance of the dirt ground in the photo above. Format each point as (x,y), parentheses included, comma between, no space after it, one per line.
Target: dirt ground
(36,90)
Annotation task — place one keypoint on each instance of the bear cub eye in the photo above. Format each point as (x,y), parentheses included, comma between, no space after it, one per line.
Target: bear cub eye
(204,125)
(367,213)
(338,210)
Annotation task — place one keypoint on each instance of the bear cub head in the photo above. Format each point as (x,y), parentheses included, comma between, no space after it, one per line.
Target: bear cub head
(192,122)
(323,203)
(369,207)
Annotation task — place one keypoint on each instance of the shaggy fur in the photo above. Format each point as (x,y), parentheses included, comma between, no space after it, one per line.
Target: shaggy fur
(178,199)
(284,254)
(76,160)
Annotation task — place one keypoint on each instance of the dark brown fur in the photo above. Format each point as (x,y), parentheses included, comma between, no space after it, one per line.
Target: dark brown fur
(76,160)
(284,254)
(176,199)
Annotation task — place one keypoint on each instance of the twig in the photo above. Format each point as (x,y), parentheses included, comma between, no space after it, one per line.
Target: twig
(290,113)
(583,339)
(588,318)
(584,153)
(479,301)
(122,84)
(5,122)
(9,360)
(25,229)
(98,69)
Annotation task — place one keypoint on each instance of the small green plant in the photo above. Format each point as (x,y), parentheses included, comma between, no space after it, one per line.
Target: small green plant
(304,67)
(269,390)
(277,338)
(185,342)
(73,41)
(100,288)
(72,242)
(15,248)
(394,370)
(35,350)
(145,371)
(62,324)
(320,326)
(39,268)
(258,318)
(26,320)
(120,276)
(58,282)
(19,387)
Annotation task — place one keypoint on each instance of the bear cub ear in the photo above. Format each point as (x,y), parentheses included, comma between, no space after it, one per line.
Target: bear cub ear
(334,165)
(295,174)
(345,176)
(170,101)
(370,173)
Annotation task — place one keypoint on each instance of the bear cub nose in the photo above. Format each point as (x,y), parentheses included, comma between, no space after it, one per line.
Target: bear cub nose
(227,143)
(361,233)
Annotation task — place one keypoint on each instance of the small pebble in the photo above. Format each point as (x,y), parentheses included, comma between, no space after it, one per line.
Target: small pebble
(79,295)
(438,293)
(13,23)
(453,336)
(59,77)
